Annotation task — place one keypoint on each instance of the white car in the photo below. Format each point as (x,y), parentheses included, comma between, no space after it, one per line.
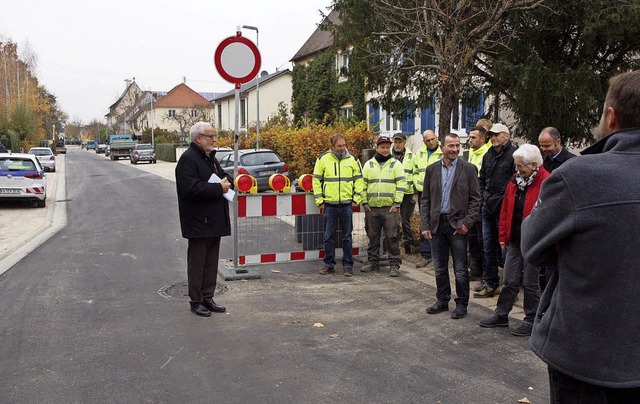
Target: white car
(22,178)
(46,157)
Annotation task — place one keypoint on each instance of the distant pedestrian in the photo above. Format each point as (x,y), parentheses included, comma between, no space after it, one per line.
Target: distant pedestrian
(385,187)
(519,197)
(497,169)
(586,222)
(337,187)
(554,156)
(450,206)
(408,206)
(427,155)
(204,216)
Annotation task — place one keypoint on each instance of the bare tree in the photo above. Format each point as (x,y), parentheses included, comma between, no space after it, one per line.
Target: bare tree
(413,50)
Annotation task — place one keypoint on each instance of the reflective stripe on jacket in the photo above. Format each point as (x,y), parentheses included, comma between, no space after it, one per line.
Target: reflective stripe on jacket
(422,160)
(383,185)
(337,181)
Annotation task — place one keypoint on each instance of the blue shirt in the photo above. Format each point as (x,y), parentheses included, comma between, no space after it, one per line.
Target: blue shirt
(447,183)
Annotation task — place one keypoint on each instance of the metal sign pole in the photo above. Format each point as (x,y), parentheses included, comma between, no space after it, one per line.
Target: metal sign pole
(235,175)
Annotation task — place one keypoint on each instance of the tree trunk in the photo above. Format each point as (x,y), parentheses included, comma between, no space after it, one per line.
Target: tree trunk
(446,105)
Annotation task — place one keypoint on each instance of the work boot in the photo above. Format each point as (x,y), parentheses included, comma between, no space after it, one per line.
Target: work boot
(326,270)
(423,262)
(370,268)
(486,291)
(394,271)
(348,272)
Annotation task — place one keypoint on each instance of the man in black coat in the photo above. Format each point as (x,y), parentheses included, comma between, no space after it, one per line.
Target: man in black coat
(495,173)
(204,215)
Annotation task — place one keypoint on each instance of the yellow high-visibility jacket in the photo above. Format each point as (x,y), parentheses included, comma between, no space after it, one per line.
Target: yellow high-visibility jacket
(407,164)
(422,160)
(383,185)
(476,155)
(337,181)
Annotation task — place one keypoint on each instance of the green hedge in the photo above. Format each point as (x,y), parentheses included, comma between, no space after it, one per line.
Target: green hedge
(167,151)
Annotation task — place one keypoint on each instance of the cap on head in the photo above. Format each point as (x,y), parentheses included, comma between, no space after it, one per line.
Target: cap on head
(383,139)
(400,136)
(499,128)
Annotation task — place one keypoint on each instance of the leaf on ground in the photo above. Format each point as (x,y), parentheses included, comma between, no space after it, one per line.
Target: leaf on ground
(319,325)
(275,271)
(530,388)
(334,336)
(524,400)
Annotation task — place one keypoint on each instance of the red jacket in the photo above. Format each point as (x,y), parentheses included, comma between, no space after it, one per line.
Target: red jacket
(508,202)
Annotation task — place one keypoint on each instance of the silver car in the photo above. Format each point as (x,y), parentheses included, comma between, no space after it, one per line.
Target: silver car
(22,178)
(143,152)
(259,163)
(46,157)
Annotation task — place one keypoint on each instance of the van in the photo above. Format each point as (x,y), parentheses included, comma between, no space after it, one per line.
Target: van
(91,144)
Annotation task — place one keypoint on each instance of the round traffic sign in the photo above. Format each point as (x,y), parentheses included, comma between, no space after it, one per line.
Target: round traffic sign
(237,59)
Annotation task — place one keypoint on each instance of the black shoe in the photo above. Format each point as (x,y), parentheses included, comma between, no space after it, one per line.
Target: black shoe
(212,306)
(408,249)
(439,307)
(495,321)
(523,331)
(200,310)
(459,312)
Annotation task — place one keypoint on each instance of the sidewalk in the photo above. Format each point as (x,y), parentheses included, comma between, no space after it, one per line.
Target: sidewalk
(44,223)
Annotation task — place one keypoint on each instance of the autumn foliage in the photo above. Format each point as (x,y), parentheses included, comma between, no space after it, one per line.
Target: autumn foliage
(300,147)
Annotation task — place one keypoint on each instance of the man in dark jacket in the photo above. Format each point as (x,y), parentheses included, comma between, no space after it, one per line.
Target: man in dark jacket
(204,215)
(586,221)
(450,205)
(497,169)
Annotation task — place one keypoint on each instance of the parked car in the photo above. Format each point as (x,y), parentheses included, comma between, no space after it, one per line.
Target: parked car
(22,178)
(107,151)
(259,163)
(45,156)
(91,145)
(101,148)
(143,152)
(222,151)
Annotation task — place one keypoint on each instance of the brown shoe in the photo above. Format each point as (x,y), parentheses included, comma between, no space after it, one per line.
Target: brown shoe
(326,270)
(348,272)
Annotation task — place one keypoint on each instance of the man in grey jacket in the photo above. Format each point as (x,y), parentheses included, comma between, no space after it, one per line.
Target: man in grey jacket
(586,222)
(450,207)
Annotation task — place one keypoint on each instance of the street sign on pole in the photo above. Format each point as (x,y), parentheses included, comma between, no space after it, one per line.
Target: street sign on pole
(237,60)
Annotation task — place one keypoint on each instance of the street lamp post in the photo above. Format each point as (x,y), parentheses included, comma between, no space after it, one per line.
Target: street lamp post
(153,142)
(257,89)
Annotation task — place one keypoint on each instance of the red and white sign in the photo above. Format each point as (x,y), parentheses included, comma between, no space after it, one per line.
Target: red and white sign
(237,59)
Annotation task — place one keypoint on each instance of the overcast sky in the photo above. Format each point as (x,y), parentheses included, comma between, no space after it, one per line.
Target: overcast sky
(86,49)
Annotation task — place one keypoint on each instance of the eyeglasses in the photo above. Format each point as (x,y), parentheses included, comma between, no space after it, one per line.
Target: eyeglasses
(210,136)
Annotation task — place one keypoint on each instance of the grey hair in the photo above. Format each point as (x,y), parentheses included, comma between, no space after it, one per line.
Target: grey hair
(529,154)
(198,129)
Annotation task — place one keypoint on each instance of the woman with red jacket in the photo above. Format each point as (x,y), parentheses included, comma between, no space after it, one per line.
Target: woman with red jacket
(520,196)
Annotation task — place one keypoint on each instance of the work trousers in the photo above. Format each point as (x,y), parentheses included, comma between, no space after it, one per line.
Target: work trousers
(376,220)
(202,268)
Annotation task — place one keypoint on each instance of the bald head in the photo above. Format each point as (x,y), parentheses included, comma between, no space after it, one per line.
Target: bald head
(430,139)
(549,141)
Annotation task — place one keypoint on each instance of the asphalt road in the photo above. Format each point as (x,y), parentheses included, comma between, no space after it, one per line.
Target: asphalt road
(82,321)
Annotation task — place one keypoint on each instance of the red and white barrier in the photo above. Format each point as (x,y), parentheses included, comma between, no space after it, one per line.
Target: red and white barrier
(289,256)
(254,205)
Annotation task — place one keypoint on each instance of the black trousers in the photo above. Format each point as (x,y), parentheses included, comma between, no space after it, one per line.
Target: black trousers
(564,389)
(202,267)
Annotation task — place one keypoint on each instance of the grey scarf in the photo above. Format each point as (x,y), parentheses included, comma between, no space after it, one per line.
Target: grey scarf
(523,183)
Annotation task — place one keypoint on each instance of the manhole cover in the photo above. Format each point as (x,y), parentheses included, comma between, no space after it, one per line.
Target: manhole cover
(179,291)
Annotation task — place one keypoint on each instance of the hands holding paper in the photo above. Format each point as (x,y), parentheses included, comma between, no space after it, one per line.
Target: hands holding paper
(225,185)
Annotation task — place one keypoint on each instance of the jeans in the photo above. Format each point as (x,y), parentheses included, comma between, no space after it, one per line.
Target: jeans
(517,270)
(375,221)
(406,211)
(491,247)
(443,241)
(564,389)
(425,245)
(333,213)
